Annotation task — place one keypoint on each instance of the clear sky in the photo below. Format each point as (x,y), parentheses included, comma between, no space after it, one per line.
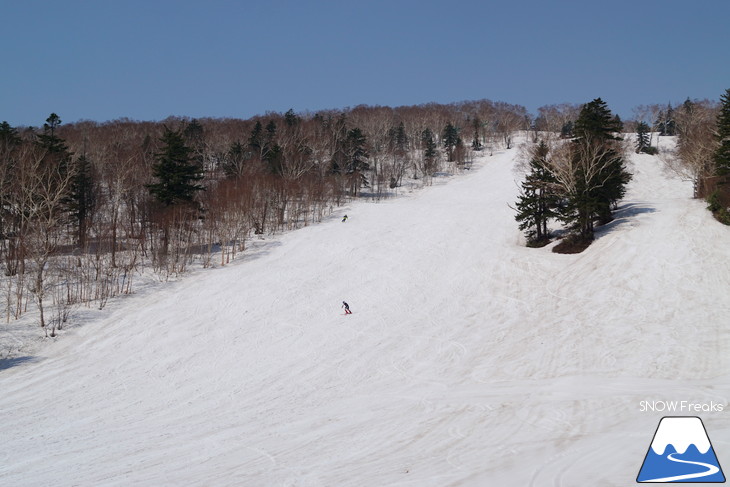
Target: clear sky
(106,59)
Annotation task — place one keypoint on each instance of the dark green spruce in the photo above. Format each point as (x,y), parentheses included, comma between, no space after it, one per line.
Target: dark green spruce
(599,170)
(176,173)
(451,140)
(722,154)
(642,137)
(538,200)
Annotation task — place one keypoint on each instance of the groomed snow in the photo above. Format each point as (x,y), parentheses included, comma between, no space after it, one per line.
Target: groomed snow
(470,360)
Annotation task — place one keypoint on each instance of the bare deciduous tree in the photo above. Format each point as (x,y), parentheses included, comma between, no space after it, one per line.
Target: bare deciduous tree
(696,125)
(41,189)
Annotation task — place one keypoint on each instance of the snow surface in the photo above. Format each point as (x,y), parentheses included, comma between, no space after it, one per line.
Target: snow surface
(470,360)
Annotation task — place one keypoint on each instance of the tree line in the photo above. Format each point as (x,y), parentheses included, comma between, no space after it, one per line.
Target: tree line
(702,155)
(84,207)
(579,177)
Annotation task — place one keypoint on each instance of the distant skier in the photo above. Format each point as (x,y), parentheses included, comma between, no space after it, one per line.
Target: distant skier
(344,219)
(347,308)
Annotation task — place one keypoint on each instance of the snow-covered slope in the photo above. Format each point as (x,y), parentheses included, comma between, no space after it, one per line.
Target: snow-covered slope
(469,359)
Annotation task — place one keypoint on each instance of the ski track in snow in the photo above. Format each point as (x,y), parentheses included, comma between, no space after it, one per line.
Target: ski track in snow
(469,360)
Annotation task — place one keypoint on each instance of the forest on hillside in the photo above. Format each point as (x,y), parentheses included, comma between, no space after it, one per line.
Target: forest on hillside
(85,206)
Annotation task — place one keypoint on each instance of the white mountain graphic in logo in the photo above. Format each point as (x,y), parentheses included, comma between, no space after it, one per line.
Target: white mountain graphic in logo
(681,452)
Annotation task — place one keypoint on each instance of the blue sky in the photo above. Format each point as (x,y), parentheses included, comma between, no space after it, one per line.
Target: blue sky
(146,60)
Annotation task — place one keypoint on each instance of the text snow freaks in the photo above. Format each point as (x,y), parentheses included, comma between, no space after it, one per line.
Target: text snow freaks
(680,407)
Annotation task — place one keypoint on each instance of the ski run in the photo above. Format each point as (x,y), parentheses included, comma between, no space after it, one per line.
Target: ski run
(469,359)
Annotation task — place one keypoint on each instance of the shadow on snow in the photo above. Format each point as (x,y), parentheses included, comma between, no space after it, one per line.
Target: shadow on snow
(6,363)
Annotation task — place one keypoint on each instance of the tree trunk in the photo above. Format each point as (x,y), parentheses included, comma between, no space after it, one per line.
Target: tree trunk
(39,293)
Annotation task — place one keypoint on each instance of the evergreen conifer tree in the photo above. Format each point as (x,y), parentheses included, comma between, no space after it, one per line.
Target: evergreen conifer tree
(566,131)
(8,136)
(642,137)
(262,143)
(177,176)
(670,125)
(618,123)
(722,154)
(430,151)
(83,197)
(451,140)
(476,143)
(357,152)
(57,152)
(57,161)
(270,131)
(399,139)
(665,123)
(595,120)
(291,119)
(53,121)
(274,158)
(256,141)
(356,155)
(538,201)
(9,142)
(429,144)
(194,133)
(600,176)
(271,151)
